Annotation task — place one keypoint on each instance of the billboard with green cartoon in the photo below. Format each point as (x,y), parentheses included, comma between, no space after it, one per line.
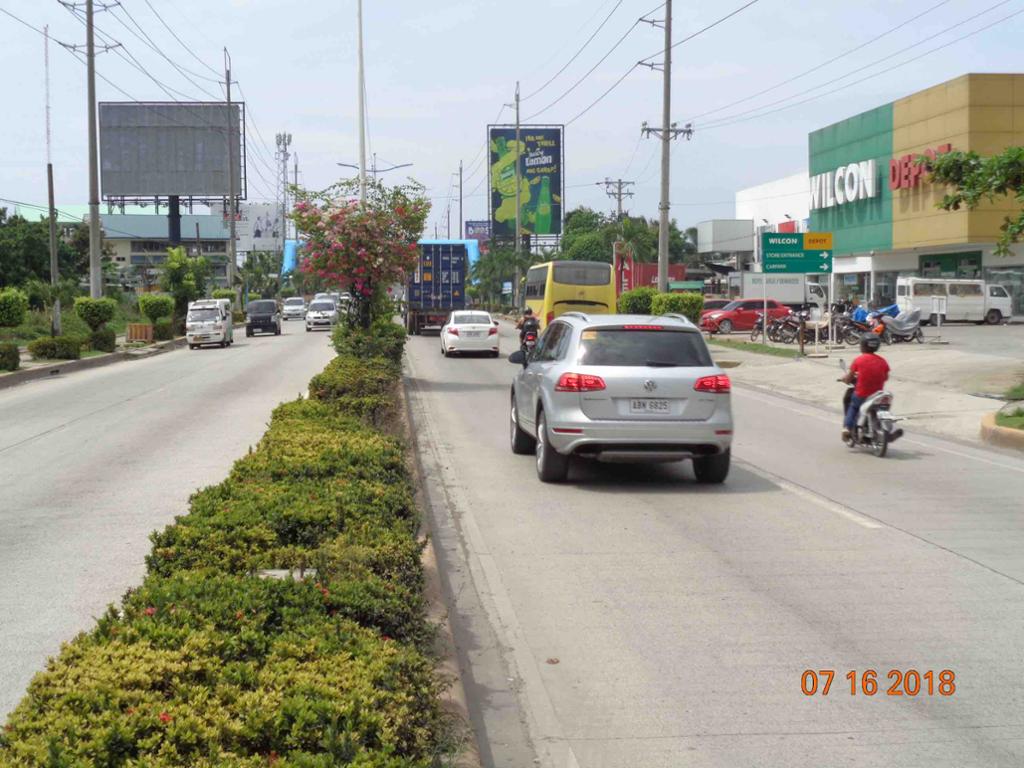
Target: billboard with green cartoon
(540,179)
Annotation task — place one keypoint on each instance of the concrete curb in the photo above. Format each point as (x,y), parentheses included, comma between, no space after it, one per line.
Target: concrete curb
(59,368)
(1004,437)
(454,700)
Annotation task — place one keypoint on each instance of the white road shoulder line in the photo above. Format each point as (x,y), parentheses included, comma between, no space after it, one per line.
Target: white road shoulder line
(815,498)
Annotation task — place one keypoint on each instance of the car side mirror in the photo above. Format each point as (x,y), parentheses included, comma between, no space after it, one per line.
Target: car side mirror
(518,358)
(496,323)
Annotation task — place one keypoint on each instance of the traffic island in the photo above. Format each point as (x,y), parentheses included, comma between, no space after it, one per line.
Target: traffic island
(996,433)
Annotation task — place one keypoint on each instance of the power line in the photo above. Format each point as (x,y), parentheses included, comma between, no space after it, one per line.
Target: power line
(701,31)
(824,63)
(577,54)
(180,41)
(747,114)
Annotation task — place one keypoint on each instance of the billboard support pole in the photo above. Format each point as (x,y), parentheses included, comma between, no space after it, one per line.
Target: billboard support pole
(519,209)
(95,243)
(54,264)
(232,202)
(174,220)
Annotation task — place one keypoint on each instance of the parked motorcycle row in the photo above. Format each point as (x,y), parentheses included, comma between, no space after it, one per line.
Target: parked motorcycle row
(891,326)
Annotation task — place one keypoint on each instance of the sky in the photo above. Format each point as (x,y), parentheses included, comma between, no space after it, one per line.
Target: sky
(438,72)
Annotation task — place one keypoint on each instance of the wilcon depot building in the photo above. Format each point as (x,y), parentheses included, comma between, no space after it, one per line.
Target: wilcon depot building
(866,187)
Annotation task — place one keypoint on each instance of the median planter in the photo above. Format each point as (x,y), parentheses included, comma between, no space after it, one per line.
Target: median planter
(139,332)
(1005,437)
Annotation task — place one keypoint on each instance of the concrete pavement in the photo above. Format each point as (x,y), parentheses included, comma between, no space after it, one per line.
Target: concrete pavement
(630,617)
(92,462)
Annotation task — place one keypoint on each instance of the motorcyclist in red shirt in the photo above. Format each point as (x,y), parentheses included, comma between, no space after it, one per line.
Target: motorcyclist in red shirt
(869,371)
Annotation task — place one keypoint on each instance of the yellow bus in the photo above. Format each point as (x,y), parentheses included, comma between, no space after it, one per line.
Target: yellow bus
(557,287)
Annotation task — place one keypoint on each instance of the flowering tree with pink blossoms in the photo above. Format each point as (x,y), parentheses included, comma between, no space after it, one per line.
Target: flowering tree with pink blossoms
(362,246)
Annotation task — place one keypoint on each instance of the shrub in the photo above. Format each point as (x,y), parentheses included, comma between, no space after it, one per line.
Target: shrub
(365,388)
(686,304)
(637,302)
(156,307)
(224,293)
(10,358)
(56,348)
(163,329)
(95,312)
(238,316)
(103,340)
(38,293)
(383,339)
(13,307)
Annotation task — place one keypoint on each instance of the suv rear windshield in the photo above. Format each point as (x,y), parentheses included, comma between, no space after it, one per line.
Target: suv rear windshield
(636,347)
(262,307)
(577,273)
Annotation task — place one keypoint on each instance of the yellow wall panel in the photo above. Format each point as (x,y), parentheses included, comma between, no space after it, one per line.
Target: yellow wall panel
(990,90)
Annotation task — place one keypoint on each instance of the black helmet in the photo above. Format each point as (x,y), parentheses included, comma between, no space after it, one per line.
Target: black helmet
(869,342)
(527,311)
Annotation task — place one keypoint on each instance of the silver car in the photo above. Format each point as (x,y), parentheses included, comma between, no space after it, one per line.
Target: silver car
(294,307)
(322,313)
(621,388)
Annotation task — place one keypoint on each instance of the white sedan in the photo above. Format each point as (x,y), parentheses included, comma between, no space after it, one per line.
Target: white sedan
(470,331)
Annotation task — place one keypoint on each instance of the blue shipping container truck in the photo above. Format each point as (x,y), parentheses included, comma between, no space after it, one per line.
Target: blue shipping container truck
(437,287)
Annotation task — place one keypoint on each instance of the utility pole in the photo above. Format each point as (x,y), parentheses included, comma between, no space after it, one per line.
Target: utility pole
(462,233)
(232,192)
(284,140)
(667,132)
(54,265)
(618,189)
(361,87)
(296,185)
(95,236)
(519,210)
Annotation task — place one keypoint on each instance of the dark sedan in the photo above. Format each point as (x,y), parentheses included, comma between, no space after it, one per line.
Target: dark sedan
(263,316)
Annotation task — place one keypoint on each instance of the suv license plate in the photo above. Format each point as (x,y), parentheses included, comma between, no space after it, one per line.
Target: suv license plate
(648,406)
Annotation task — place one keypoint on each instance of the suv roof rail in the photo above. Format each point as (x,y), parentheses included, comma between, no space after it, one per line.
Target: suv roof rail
(580,315)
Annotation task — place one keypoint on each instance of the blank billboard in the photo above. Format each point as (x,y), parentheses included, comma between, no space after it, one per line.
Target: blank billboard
(161,149)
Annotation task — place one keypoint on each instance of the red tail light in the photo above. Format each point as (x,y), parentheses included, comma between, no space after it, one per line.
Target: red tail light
(550,317)
(719,385)
(579,382)
(453,331)
(644,327)
(492,332)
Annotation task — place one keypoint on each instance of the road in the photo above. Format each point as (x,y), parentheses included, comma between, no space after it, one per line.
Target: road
(92,462)
(633,618)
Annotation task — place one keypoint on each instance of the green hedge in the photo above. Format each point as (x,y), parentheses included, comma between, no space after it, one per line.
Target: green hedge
(103,340)
(156,306)
(95,312)
(56,348)
(13,307)
(637,301)
(384,339)
(364,387)
(687,304)
(212,663)
(163,329)
(225,293)
(10,358)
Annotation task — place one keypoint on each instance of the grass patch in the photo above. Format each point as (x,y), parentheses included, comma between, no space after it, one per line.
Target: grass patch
(1013,420)
(1015,393)
(37,324)
(757,348)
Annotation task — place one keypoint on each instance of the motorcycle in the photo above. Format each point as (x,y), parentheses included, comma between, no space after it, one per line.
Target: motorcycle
(875,427)
(905,328)
(528,336)
(851,331)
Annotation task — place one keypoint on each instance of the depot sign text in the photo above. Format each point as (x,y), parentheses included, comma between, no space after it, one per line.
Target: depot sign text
(846,184)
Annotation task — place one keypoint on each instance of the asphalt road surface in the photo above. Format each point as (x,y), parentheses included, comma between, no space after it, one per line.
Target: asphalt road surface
(92,462)
(633,618)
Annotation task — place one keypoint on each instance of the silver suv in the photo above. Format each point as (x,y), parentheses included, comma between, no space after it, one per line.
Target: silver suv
(623,388)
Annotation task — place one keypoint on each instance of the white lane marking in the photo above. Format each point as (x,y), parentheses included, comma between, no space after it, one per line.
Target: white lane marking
(807,411)
(815,498)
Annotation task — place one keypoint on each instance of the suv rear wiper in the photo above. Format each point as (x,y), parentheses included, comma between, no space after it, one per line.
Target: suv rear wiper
(661,364)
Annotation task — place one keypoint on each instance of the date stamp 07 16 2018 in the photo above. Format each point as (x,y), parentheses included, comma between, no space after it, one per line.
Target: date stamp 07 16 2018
(909,682)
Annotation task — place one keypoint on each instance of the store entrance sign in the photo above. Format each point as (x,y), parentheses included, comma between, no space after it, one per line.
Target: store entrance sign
(846,184)
(801,254)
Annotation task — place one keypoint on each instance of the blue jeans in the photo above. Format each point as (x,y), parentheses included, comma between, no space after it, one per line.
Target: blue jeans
(851,413)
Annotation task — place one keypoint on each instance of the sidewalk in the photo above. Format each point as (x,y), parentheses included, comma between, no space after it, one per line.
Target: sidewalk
(936,388)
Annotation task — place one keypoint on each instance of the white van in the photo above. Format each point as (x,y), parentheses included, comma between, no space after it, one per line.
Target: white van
(956,300)
(209,321)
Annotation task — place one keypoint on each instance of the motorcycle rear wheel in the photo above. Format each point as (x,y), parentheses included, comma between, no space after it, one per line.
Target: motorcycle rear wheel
(880,444)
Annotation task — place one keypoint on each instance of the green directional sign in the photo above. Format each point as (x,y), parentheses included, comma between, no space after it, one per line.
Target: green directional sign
(800,253)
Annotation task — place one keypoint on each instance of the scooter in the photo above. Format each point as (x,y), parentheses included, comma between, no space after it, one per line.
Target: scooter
(906,327)
(876,426)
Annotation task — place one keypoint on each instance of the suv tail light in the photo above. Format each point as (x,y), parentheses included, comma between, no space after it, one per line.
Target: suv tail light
(579,382)
(492,332)
(719,385)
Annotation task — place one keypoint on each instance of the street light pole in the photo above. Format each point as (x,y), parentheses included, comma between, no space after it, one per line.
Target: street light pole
(361,87)
(519,209)
(232,193)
